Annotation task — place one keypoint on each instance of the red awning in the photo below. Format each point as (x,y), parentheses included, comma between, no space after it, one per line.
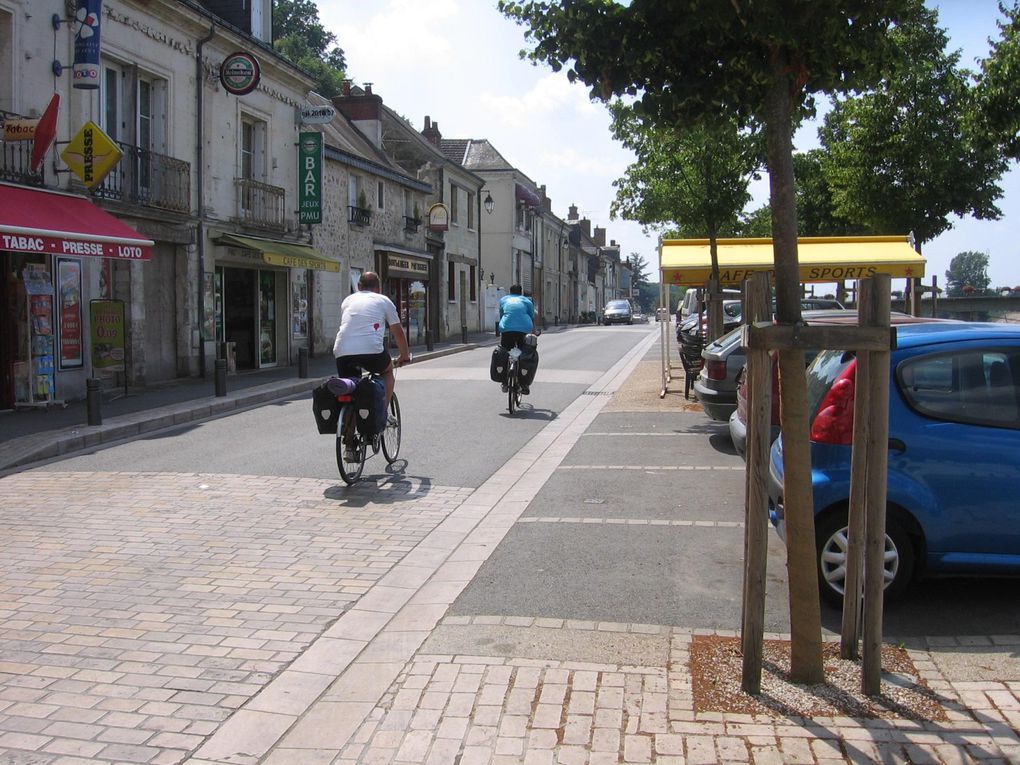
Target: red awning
(526,195)
(37,221)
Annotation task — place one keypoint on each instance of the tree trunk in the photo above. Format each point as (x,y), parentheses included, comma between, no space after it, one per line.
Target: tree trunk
(715,312)
(805,613)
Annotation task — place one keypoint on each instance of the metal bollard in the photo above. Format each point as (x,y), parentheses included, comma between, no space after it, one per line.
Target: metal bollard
(429,345)
(302,362)
(94,400)
(221,377)
(463,333)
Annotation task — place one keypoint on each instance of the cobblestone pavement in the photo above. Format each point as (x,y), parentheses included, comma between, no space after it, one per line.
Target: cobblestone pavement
(139,611)
(240,620)
(485,708)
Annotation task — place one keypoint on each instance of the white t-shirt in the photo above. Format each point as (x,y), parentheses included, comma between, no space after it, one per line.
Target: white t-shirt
(364,317)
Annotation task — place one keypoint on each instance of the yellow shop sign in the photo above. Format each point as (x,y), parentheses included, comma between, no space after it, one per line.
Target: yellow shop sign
(91,154)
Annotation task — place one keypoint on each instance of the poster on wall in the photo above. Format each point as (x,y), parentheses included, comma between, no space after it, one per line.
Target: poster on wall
(209,307)
(69,312)
(106,319)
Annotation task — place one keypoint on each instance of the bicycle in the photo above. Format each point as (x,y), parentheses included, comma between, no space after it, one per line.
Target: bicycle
(352,447)
(513,382)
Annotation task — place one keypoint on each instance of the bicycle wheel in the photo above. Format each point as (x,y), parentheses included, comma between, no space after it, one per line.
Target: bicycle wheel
(513,391)
(391,435)
(350,448)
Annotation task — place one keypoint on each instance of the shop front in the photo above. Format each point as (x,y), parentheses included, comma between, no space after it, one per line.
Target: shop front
(56,256)
(406,279)
(262,309)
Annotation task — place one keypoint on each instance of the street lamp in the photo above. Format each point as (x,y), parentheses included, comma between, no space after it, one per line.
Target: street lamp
(488,204)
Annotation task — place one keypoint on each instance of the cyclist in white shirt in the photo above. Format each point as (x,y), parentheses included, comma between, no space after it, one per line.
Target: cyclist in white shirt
(359,344)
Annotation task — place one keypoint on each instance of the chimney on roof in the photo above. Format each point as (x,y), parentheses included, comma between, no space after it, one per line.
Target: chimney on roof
(572,215)
(612,243)
(599,237)
(586,227)
(546,202)
(363,109)
(431,132)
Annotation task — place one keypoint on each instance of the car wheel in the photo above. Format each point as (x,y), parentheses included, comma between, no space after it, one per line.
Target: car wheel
(832,544)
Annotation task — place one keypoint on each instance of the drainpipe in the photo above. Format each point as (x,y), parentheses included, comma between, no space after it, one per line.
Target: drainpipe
(480,272)
(200,182)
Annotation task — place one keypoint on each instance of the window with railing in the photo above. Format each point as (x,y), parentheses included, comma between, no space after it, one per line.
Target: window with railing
(16,158)
(359,216)
(411,225)
(148,178)
(261,205)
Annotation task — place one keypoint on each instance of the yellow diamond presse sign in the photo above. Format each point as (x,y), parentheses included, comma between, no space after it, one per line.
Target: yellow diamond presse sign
(91,154)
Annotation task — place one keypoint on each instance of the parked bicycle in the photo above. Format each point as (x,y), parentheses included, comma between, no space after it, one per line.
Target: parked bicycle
(353,446)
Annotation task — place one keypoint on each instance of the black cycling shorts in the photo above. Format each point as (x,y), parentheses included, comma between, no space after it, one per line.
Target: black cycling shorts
(352,366)
(512,339)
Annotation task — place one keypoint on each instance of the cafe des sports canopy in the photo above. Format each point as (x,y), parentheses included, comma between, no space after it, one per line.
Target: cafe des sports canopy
(687,263)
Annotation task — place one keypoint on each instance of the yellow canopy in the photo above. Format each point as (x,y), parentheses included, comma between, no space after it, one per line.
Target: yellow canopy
(278,253)
(686,262)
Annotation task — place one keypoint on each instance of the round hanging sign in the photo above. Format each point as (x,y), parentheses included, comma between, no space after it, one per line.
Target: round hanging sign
(240,73)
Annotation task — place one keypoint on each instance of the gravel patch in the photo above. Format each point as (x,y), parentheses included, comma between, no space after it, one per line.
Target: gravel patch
(716,667)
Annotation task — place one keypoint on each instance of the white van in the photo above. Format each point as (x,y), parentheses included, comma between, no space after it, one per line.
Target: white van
(689,304)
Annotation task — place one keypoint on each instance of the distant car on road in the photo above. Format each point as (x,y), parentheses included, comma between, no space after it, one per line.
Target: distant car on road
(618,312)
(954,455)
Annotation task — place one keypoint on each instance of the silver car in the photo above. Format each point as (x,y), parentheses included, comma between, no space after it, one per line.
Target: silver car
(716,384)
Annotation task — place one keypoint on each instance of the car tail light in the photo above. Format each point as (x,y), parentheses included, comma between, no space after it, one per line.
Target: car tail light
(834,423)
(715,370)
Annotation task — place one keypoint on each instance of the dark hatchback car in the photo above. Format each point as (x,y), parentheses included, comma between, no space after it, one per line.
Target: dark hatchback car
(954,455)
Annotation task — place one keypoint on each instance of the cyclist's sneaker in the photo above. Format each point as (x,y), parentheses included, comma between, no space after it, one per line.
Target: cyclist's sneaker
(375,443)
(391,421)
(525,390)
(504,388)
(350,454)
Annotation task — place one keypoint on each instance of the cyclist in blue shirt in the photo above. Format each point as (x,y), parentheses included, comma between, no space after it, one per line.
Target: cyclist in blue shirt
(516,320)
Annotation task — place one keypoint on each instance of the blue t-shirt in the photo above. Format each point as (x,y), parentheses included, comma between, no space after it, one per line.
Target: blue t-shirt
(515,313)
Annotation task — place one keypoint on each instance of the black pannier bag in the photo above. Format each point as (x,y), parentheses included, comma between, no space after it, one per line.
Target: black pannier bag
(326,409)
(527,364)
(370,405)
(498,365)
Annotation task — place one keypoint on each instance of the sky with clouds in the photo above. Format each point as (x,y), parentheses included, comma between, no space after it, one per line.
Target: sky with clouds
(457,62)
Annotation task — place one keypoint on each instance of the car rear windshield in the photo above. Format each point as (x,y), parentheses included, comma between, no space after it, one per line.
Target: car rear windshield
(822,374)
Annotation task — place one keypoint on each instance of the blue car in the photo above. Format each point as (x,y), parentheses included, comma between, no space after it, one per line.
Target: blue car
(954,456)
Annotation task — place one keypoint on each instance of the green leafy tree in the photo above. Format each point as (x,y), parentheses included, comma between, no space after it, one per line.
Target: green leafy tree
(761,62)
(695,177)
(816,213)
(755,224)
(903,157)
(998,86)
(968,269)
(639,268)
(300,36)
